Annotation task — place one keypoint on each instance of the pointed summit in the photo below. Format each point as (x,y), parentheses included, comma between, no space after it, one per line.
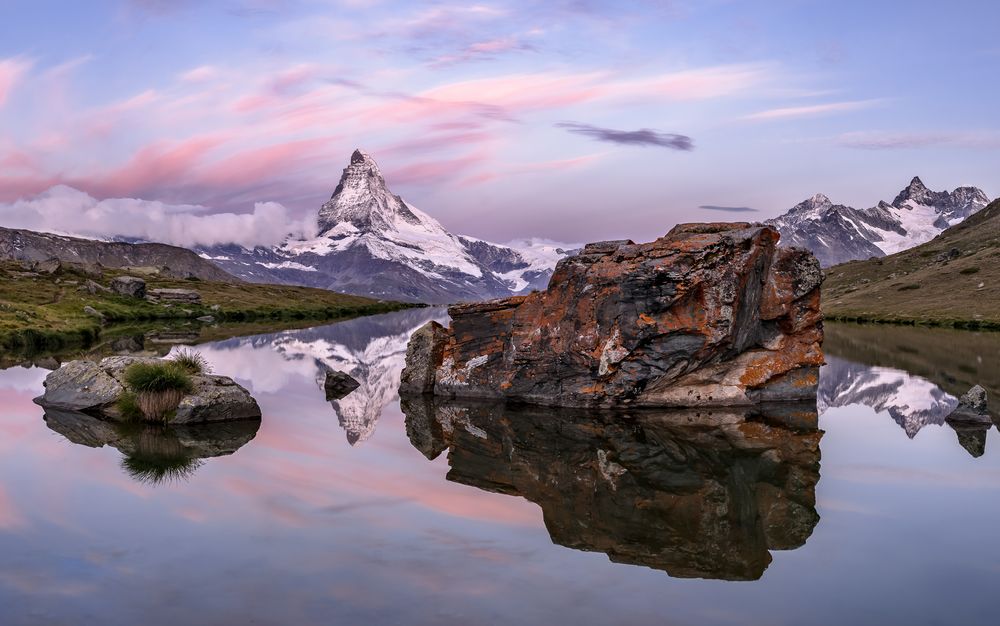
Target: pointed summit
(918,193)
(818,202)
(362,201)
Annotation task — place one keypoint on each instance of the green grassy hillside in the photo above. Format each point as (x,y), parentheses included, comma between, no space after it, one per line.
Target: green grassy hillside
(46,311)
(953,280)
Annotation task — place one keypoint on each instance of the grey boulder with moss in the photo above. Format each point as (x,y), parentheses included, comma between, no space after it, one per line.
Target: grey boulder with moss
(95,387)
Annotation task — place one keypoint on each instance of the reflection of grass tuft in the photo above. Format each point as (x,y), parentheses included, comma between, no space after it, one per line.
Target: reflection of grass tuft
(159,457)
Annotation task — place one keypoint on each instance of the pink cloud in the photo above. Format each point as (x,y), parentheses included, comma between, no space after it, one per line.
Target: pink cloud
(11,72)
(152,166)
(812,110)
(427,172)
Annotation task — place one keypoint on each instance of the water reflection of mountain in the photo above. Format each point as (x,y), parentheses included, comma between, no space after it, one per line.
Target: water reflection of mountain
(953,360)
(155,453)
(911,401)
(697,494)
(371,349)
(913,374)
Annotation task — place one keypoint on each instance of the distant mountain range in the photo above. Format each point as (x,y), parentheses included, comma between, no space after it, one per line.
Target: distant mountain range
(373,243)
(30,247)
(836,233)
(952,279)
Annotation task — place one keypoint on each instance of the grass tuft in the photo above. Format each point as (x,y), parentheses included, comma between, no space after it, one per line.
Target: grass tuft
(128,406)
(154,377)
(158,388)
(192,362)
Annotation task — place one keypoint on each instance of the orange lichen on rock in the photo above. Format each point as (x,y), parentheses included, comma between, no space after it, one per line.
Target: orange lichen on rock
(708,314)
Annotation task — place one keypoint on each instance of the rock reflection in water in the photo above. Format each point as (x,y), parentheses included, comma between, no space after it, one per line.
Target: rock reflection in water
(972,437)
(697,494)
(913,374)
(154,453)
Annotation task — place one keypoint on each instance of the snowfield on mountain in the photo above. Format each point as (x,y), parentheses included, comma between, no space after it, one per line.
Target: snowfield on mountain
(836,233)
(371,242)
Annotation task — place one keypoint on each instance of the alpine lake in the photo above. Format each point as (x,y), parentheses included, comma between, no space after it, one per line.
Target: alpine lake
(359,510)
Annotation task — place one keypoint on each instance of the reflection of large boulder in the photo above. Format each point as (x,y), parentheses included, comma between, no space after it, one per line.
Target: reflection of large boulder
(697,493)
(709,315)
(95,388)
(154,453)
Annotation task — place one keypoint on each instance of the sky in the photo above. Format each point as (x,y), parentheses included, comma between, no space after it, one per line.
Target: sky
(196,121)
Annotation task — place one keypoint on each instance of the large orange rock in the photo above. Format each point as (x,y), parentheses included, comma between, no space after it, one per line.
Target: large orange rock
(709,315)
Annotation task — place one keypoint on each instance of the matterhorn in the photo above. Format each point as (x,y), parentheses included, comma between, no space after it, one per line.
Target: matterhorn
(373,243)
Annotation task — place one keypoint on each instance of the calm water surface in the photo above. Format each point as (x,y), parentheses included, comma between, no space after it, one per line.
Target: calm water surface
(351,512)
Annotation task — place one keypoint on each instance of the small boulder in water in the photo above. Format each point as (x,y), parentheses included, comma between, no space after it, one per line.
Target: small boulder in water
(972,407)
(96,388)
(338,384)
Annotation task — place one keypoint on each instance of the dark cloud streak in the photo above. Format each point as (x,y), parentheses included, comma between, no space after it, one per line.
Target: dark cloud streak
(641,137)
(728,209)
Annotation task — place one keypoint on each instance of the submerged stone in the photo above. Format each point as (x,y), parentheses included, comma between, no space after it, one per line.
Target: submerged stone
(709,315)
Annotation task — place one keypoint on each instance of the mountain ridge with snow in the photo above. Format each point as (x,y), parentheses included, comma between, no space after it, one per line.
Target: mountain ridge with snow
(837,233)
(372,242)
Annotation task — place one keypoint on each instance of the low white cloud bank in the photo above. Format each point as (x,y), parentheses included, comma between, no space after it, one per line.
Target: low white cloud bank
(69,211)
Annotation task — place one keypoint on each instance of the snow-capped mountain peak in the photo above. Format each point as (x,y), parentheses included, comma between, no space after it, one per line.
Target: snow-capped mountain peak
(363,200)
(371,242)
(837,233)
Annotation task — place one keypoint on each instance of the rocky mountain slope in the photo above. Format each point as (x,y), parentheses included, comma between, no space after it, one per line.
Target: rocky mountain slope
(952,279)
(373,243)
(837,233)
(31,247)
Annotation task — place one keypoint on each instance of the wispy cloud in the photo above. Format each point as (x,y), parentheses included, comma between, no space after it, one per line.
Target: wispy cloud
(11,72)
(641,137)
(984,140)
(485,50)
(813,110)
(728,209)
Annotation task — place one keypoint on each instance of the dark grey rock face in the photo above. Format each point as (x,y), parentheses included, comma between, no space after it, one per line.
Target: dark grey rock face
(32,247)
(696,493)
(129,287)
(81,386)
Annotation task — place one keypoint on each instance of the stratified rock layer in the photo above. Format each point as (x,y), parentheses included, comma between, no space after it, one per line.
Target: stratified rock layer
(709,315)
